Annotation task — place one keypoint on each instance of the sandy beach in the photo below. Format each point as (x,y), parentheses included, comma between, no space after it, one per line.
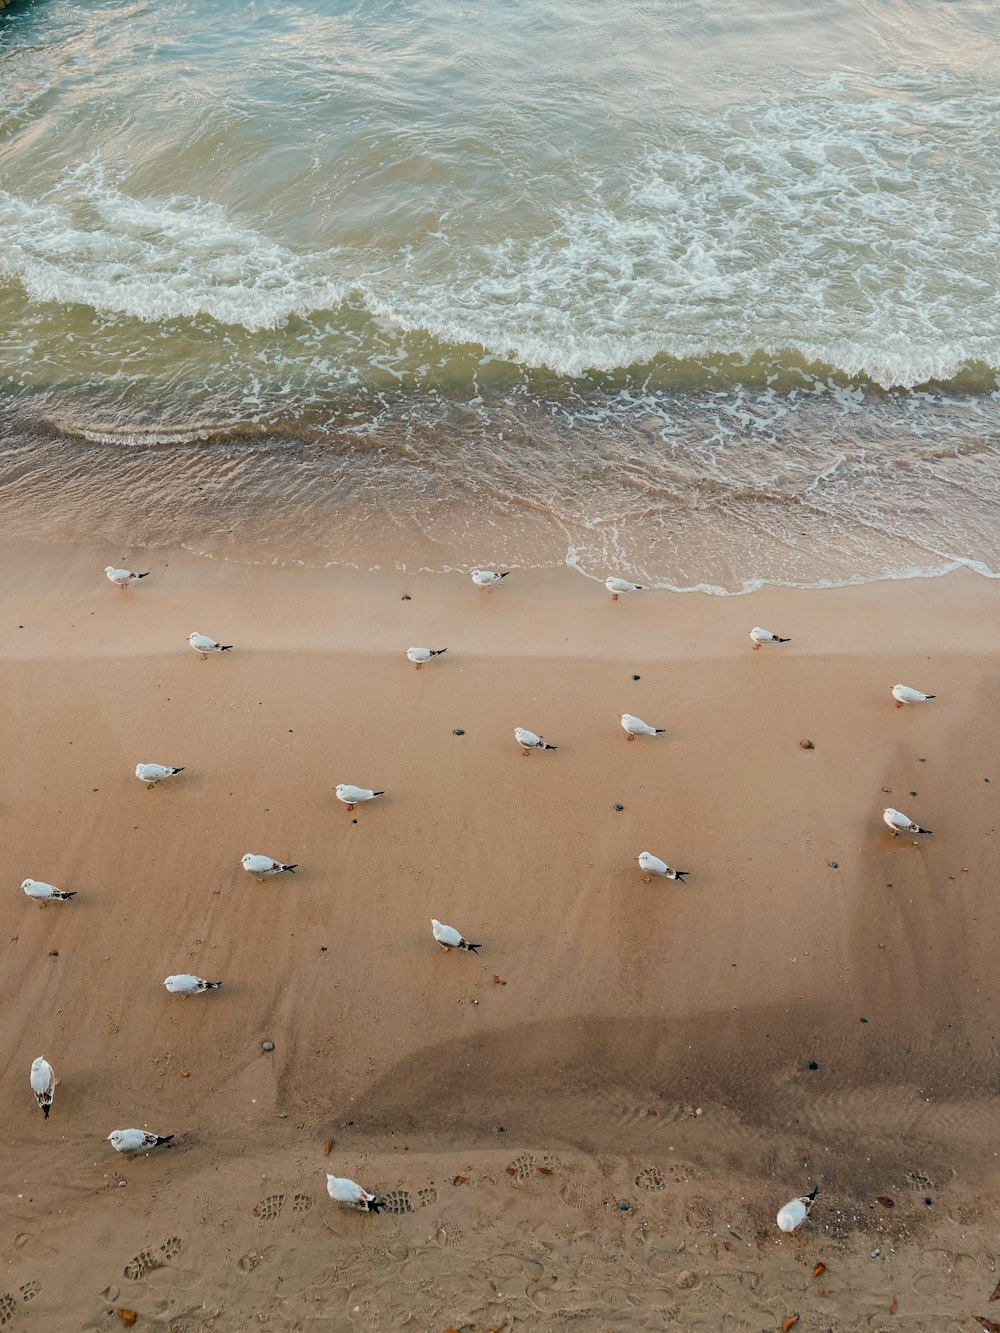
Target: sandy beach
(615,1043)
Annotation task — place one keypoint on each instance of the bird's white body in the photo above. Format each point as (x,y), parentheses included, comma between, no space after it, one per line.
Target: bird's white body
(349,1193)
(794,1213)
(421,655)
(201,643)
(904,695)
(135,1140)
(652,865)
(355,795)
(43,1083)
(263,866)
(760,636)
(185,984)
(634,726)
(45,893)
(153,773)
(485,578)
(449,938)
(900,823)
(121,577)
(616,586)
(529,741)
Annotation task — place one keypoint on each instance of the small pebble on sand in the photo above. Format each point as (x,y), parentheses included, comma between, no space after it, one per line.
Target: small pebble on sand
(806,745)
(267,1046)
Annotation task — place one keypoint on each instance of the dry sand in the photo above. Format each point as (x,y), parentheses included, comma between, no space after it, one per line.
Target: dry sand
(614,1042)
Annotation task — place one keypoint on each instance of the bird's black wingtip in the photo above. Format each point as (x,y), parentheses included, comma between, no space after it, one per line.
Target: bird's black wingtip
(225,647)
(680,874)
(474,948)
(661,731)
(144,576)
(45,1111)
(813,1193)
(375,1205)
(292,869)
(504,574)
(163,1138)
(379,793)
(177,770)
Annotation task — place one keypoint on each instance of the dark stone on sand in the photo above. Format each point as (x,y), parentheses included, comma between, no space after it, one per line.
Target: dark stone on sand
(928,1201)
(267,1046)
(813,1064)
(458,732)
(640,678)
(623,1206)
(806,745)
(406,597)
(619,808)
(834,865)
(862,1020)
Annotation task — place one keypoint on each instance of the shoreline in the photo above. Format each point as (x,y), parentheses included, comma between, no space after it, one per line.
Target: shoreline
(632,1028)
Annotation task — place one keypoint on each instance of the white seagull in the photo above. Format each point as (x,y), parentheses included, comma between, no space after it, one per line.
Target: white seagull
(201,643)
(136,1140)
(652,865)
(795,1212)
(122,577)
(350,1194)
(900,823)
(485,578)
(904,695)
(421,655)
(352,796)
(185,984)
(151,774)
(43,1084)
(760,636)
(449,938)
(635,726)
(528,741)
(615,586)
(263,866)
(44,893)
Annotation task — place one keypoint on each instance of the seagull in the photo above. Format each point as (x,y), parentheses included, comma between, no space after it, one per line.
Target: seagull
(794,1213)
(900,823)
(904,695)
(122,577)
(43,1084)
(201,643)
(136,1140)
(652,865)
(45,893)
(615,586)
(529,741)
(421,655)
(185,984)
(350,1193)
(449,938)
(151,774)
(485,578)
(636,727)
(352,796)
(263,867)
(760,636)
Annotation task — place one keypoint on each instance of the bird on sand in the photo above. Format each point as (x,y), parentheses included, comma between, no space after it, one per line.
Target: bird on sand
(634,726)
(904,695)
(652,865)
(900,823)
(43,1084)
(449,938)
(421,655)
(263,867)
(44,893)
(352,796)
(795,1212)
(136,1140)
(201,643)
(185,984)
(762,636)
(616,586)
(351,1195)
(485,578)
(528,741)
(121,578)
(151,774)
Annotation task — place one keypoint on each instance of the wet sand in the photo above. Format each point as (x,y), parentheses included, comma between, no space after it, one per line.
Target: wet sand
(615,1042)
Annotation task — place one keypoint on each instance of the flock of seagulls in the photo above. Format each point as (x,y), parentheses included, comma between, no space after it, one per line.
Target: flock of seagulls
(343,1191)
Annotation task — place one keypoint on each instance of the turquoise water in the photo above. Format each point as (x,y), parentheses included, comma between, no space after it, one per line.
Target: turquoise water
(567,268)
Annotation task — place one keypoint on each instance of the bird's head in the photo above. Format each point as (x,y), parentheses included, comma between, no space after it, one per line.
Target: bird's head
(109,569)
(26,883)
(246,859)
(193,635)
(340,788)
(115,1137)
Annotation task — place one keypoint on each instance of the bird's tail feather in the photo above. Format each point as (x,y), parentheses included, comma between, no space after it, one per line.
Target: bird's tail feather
(679,874)
(779,639)
(472,948)
(378,793)
(928,831)
(504,574)
(71,894)
(163,1138)
(375,1205)
(46,1108)
(177,770)
(812,1195)
(225,647)
(292,869)
(546,746)
(436,652)
(143,576)
(660,730)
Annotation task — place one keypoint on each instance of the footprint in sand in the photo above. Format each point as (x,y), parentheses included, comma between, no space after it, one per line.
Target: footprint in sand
(8,1309)
(521,1168)
(269,1208)
(397,1202)
(448,1234)
(302,1203)
(171,1248)
(144,1262)
(699,1213)
(574,1196)
(427,1196)
(30,1290)
(916,1180)
(650,1179)
(109,1294)
(250,1260)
